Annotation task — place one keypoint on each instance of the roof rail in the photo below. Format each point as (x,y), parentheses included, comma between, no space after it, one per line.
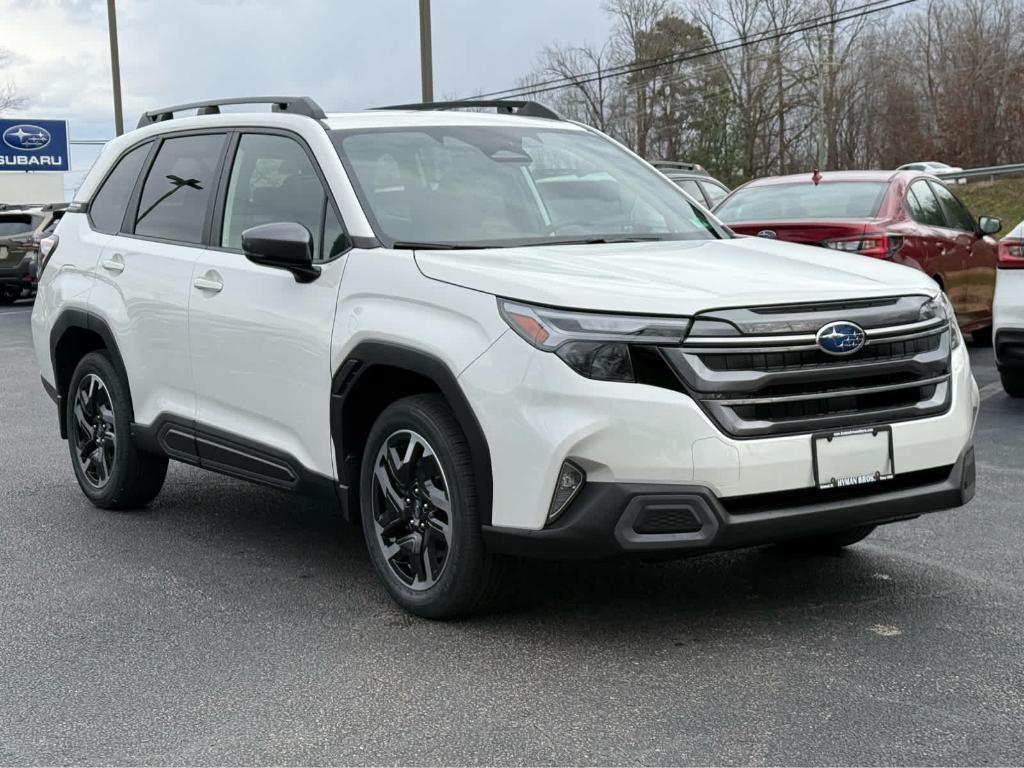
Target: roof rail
(503,106)
(677,164)
(296,105)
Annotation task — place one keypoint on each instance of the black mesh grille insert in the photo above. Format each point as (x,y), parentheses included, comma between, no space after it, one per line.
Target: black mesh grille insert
(813,358)
(665,518)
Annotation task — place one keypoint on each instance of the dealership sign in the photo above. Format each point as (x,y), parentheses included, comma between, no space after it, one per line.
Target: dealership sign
(34,145)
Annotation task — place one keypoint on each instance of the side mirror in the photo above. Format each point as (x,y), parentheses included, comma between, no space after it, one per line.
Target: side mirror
(988,225)
(282,245)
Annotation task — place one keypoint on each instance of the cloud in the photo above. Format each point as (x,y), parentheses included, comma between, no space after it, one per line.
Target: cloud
(346,54)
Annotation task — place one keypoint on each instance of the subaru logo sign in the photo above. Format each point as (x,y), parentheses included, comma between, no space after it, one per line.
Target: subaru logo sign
(841,338)
(768,233)
(32,144)
(26,137)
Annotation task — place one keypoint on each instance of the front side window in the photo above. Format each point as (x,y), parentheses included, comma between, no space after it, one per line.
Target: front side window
(177,193)
(923,206)
(106,211)
(273,180)
(804,200)
(957,215)
(502,186)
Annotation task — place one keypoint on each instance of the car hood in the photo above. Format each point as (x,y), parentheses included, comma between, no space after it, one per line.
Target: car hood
(671,277)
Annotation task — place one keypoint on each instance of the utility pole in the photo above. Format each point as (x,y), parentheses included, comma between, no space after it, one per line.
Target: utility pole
(426,57)
(115,67)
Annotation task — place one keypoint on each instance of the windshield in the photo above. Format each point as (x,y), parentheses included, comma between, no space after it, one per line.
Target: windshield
(498,186)
(786,202)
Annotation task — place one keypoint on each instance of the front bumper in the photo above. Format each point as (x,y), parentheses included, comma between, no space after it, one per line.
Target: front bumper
(622,519)
(536,412)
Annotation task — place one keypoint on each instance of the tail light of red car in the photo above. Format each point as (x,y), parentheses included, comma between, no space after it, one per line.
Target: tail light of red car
(1011,254)
(877,244)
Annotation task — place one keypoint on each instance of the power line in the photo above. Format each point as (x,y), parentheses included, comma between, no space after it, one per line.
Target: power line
(804,25)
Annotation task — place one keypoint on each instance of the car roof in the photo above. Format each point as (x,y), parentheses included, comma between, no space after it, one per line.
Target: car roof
(831,176)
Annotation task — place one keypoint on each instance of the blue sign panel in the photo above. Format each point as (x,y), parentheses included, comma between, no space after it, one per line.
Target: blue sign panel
(34,145)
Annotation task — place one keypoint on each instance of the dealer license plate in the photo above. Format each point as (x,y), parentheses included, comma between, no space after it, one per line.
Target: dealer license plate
(852,457)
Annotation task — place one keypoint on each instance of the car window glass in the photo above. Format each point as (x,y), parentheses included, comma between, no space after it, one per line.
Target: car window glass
(176,195)
(16,224)
(272,180)
(793,201)
(714,192)
(498,186)
(106,211)
(335,239)
(689,186)
(923,206)
(956,213)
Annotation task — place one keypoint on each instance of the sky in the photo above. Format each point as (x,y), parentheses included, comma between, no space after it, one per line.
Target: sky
(346,54)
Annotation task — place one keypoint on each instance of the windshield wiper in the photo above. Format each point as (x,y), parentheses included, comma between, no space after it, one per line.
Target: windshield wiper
(410,245)
(603,240)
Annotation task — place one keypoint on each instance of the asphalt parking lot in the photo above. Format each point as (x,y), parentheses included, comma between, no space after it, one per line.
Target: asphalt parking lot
(232,624)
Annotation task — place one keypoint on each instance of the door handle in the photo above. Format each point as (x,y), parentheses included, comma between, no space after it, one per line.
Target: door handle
(209,282)
(114,264)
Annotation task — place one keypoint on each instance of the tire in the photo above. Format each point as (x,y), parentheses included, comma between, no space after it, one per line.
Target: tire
(432,561)
(830,542)
(1013,382)
(982,337)
(111,471)
(9,295)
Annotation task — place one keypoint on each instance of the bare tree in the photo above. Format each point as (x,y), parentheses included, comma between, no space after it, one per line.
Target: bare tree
(9,96)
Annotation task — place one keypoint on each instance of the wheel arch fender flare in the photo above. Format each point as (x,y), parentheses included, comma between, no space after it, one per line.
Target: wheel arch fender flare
(87,321)
(363,359)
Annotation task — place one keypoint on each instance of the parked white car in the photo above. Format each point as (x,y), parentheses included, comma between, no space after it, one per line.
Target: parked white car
(1008,312)
(485,335)
(931,166)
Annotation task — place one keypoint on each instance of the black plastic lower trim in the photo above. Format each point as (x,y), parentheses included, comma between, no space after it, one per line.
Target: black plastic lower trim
(601,522)
(1009,348)
(229,454)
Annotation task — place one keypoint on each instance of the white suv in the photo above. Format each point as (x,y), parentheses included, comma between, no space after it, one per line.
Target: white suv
(485,336)
(1008,312)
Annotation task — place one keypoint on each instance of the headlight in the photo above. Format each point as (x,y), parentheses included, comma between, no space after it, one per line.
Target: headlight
(594,345)
(940,306)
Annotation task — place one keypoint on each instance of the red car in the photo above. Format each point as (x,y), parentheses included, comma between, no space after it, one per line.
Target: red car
(907,217)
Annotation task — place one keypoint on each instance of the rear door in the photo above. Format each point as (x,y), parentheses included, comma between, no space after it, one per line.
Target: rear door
(979,254)
(144,274)
(942,257)
(260,340)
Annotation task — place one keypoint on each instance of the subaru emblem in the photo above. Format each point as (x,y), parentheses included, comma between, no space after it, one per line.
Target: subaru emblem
(26,137)
(841,338)
(768,233)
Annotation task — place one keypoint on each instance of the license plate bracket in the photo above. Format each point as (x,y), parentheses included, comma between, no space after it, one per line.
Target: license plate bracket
(852,457)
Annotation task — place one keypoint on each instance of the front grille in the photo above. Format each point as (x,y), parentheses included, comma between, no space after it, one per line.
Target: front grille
(808,358)
(770,377)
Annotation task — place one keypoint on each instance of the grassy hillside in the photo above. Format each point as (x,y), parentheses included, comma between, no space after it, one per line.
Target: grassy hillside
(1003,198)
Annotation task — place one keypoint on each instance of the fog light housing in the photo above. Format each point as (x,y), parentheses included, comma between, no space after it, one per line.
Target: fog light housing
(570,480)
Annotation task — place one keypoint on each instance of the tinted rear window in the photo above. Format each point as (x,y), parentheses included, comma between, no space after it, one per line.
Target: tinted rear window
(106,211)
(176,195)
(17,224)
(785,202)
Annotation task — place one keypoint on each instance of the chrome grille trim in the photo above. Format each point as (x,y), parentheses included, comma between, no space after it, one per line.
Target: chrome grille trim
(832,393)
(755,384)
